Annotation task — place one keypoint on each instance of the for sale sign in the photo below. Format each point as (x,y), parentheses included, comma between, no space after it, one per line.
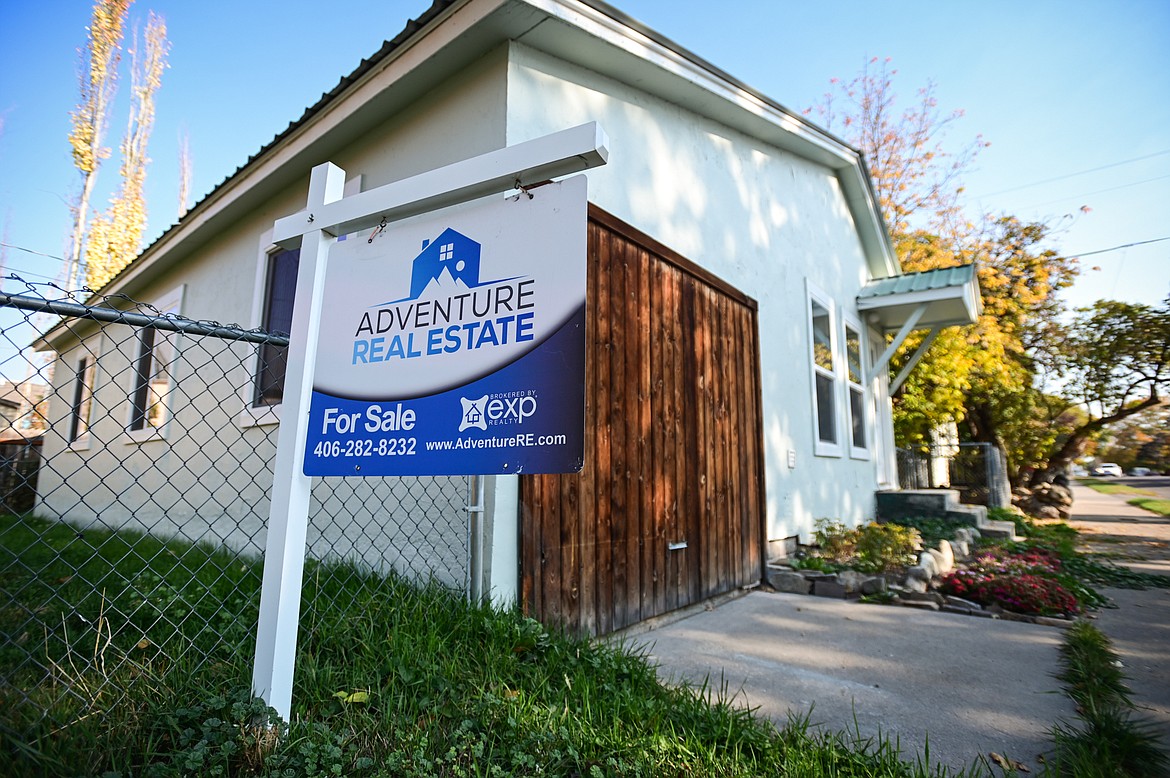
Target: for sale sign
(454,343)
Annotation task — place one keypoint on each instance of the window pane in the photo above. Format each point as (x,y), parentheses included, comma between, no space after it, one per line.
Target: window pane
(853,354)
(152,382)
(822,336)
(826,413)
(278,312)
(857,416)
(143,367)
(82,398)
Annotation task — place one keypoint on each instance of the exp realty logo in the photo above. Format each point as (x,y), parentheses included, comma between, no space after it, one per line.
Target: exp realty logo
(494,409)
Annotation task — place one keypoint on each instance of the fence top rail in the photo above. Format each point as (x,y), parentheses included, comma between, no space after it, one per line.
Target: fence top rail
(169,322)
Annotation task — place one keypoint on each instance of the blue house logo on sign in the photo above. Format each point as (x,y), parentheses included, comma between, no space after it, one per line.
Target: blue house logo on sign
(451,260)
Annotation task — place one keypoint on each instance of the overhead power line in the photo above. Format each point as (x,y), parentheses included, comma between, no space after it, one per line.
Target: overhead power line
(1078,173)
(31,251)
(1096,192)
(1114,248)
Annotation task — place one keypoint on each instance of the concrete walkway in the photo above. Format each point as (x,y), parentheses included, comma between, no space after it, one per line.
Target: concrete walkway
(967,686)
(1140,625)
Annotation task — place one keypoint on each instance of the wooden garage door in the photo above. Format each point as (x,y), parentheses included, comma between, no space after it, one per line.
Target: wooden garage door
(668,508)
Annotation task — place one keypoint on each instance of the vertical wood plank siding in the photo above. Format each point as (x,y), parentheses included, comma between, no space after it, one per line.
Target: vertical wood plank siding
(672,447)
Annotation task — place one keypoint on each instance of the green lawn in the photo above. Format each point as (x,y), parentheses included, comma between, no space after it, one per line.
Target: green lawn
(130,677)
(1109,487)
(1154,505)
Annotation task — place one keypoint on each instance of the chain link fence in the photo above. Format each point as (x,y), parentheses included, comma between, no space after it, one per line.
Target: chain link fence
(136,454)
(976,470)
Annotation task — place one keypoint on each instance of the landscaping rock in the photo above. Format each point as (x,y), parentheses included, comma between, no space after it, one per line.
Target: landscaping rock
(925,605)
(957,609)
(959,602)
(940,561)
(974,533)
(1050,500)
(927,561)
(851,580)
(913,585)
(876,585)
(947,554)
(833,589)
(934,597)
(961,548)
(998,612)
(918,573)
(789,582)
(962,535)
(1051,621)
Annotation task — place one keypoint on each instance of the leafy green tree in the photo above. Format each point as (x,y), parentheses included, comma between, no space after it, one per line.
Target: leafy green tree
(1142,440)
(1114,361)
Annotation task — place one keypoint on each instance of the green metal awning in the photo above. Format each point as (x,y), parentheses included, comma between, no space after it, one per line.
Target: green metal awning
(932,299)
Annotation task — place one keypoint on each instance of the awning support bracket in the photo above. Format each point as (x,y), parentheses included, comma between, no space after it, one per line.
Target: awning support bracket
(918,354)
(884,360)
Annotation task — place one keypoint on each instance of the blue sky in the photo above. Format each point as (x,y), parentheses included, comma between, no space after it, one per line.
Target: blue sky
(1074,97)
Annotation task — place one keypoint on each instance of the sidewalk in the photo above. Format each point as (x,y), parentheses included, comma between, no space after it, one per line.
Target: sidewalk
(1140,625)
(968,686)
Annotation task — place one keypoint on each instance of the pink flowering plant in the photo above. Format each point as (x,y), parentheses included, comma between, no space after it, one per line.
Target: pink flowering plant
(1041,561)
(1023,593)
(1024,580)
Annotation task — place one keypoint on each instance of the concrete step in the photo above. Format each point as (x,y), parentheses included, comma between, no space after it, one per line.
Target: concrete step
(941,504)
(911,503)
(998,529)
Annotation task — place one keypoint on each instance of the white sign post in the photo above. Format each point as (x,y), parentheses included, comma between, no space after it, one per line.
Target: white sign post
(327,216)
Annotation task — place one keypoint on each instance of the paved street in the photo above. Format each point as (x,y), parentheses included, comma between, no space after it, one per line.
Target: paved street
(1158,484)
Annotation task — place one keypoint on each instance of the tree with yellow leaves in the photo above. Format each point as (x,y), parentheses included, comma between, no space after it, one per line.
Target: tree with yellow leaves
(99,81)
(983,375)
(116,235)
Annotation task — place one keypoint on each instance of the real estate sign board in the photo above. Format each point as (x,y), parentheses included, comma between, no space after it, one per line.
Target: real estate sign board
(453,343)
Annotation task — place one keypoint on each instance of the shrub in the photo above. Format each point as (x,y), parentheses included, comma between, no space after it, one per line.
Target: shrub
(883,547)
(870,548)
(1023,593)
(930,528)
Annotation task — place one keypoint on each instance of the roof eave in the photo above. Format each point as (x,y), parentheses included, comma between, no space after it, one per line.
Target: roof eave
(445,21)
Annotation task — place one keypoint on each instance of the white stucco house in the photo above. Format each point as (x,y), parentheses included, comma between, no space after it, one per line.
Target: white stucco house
(742,291)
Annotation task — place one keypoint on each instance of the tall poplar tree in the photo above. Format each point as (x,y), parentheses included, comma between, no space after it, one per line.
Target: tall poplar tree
(116,235)
(98,84)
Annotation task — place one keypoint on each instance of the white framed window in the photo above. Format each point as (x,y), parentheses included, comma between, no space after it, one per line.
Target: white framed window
(858,404)
(280,288)
(276,286)
(825,366)
(153,371)
(82,408)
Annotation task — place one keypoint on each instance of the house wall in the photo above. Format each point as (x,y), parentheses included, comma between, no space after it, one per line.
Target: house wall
(760,218)
(210,477)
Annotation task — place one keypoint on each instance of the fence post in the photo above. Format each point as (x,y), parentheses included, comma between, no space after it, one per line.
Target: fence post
(284,555)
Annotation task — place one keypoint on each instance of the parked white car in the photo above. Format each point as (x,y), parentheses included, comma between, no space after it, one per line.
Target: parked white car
(1108,469)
